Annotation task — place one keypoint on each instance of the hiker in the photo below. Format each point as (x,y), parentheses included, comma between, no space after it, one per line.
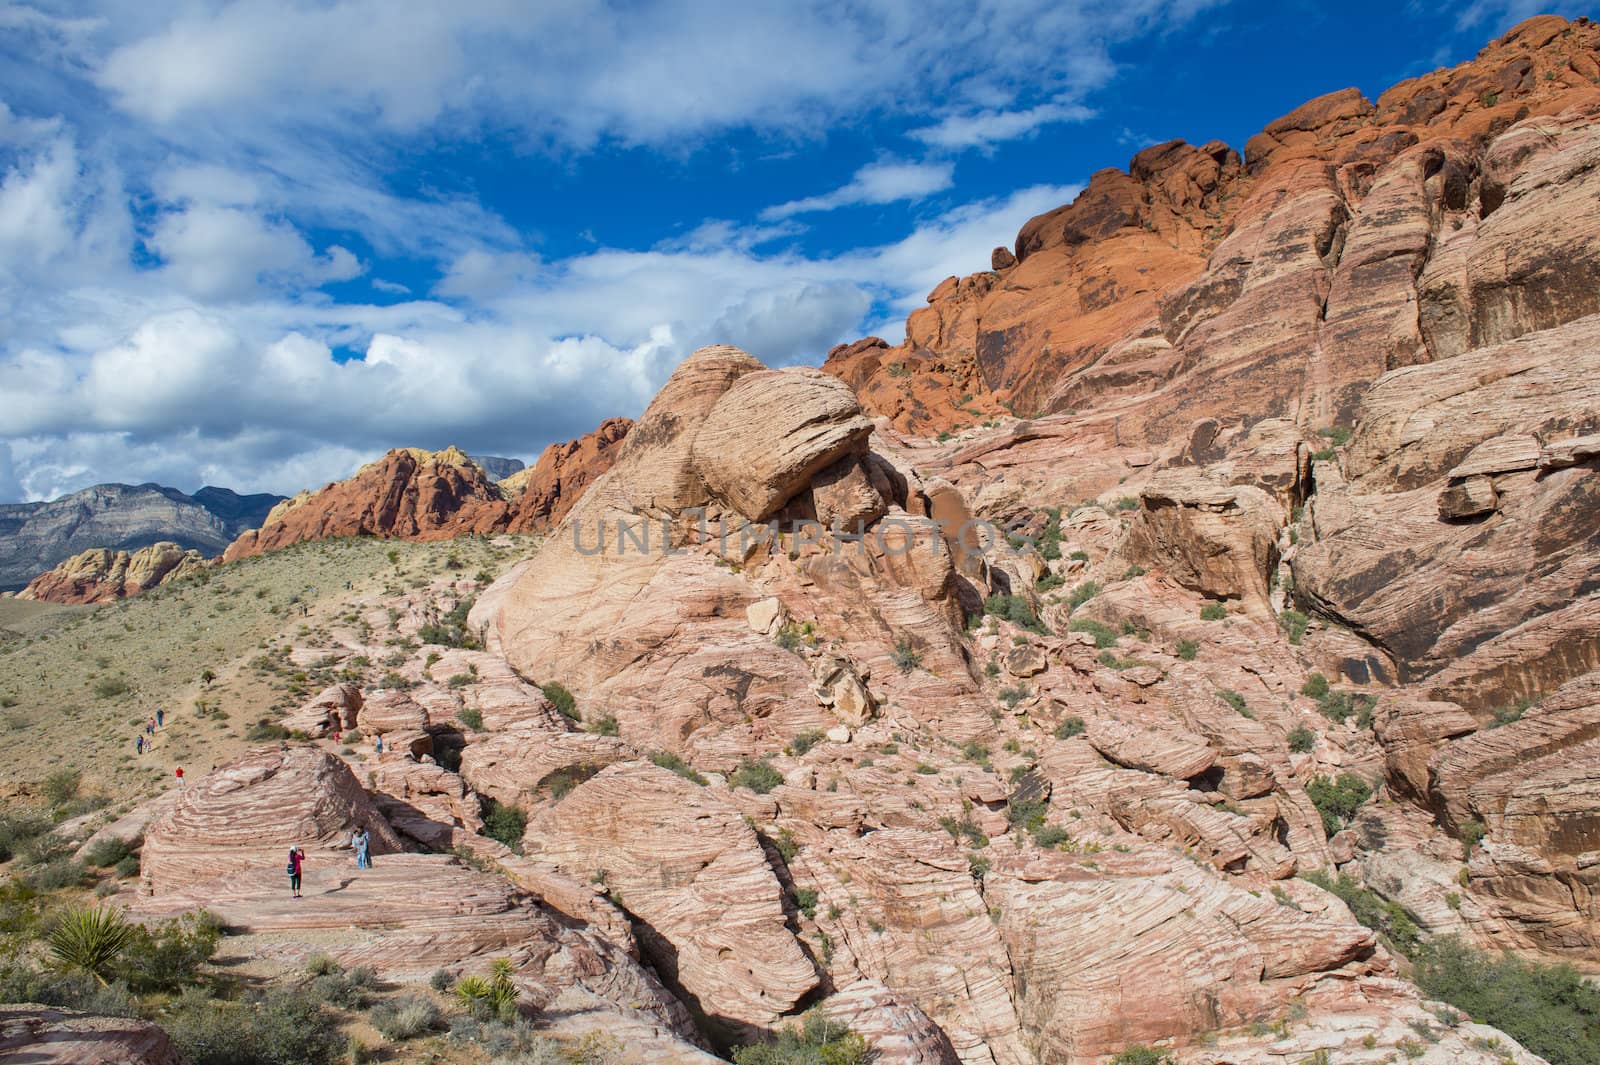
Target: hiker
(363,842)
(150,726)
(161,717)
(297,859)
(336,735)
(179,772)
(138,744)
(380,744)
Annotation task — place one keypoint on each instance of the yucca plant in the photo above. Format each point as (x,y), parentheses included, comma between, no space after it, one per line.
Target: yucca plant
(89,940)
(495,995)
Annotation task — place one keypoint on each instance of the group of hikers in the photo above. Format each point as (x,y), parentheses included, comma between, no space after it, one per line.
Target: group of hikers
(360,842)
(146,740)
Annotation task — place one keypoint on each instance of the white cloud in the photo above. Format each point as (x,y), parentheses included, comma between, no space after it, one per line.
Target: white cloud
(875,183)
(988,127)
(225,253)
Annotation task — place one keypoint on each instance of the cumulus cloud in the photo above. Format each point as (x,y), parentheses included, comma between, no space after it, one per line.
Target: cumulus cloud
(875,183)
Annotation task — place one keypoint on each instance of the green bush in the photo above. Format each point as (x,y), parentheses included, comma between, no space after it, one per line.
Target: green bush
(1234,699)
(1472,833)
(1549,1009)
(262,731)
(1213,612)
(561,699)
(1070,727)
(404,1018)
(1083,593)
(1301,739)
(107,852)
(804,741)
(61,786)
(1139,1054)
(1294,625)
(1188,650)
(451,630)
(110,687)
(471,717)
(494,996)
(604,725)
(1386,918)
(505,822)
(167,956)
(286,1026)
(19,829)
(906,657)
(1338,799)
(55,875)
(756,774)
(1103,635)
(1127,503)
(815,1041)
(1316,686)
(668,760)
(1015,609)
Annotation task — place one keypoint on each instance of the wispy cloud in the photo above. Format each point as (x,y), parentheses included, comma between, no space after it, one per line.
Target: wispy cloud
(876,183)
(985,128)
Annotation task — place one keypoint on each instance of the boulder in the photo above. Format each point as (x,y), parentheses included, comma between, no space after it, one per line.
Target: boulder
(47,1035)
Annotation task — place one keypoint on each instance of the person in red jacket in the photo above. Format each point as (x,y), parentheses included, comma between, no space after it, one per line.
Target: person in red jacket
(297,859)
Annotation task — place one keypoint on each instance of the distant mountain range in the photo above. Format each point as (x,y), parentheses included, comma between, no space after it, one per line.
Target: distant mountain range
(36,536)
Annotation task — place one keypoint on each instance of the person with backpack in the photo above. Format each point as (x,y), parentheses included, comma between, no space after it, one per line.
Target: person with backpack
(161,717)
(297,859)
(138,744)
(363,856)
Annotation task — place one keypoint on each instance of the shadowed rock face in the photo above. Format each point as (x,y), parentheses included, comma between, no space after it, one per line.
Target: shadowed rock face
(34,537)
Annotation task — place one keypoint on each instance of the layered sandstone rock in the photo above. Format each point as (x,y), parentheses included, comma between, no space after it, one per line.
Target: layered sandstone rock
(544,492)
(49,1036)
(100,575)
(693,876)
(246,816)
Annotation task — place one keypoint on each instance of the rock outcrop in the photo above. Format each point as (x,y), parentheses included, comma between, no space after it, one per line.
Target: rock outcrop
(49,1036)
(544,492)
(101,575)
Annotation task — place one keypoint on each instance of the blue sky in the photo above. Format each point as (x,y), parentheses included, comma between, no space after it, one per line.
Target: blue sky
(256,244)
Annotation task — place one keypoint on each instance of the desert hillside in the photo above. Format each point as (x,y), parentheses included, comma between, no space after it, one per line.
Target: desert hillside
(1184,649)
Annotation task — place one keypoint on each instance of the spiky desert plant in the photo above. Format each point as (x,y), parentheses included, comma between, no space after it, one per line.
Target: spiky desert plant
(89,940)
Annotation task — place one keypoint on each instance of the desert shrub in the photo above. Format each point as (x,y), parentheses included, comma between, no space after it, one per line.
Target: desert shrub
(905,655)
(1505,715)
(1213,612)
(471,717)
(110,687)
(1127,503)
(1014,695)
(561,699)
(1139,1054)
(266,730)
(1103,635)
(815,1041)
(1233,699)
(1338,799)
(1070,727)
(345,988)
(804,741)
(61,786)
(1301,739)
(604,725)
(1316,686)
(404,1018)
(1015,609)
(451,630)
(1294,625)
(1083,593)
(1188,650)
(1382,916)
(1338,435)
(19,829)
(504,822)
(805,899)
(1472,833)
(668,760)
(55,875)
(286,1026)
(1549,1009)
(128,867)
(1049,583)
(494,996)
(458,680)
(168,955)
(756,774)
(441,980)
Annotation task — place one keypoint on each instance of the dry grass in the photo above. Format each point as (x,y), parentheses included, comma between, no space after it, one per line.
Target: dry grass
(77,683)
